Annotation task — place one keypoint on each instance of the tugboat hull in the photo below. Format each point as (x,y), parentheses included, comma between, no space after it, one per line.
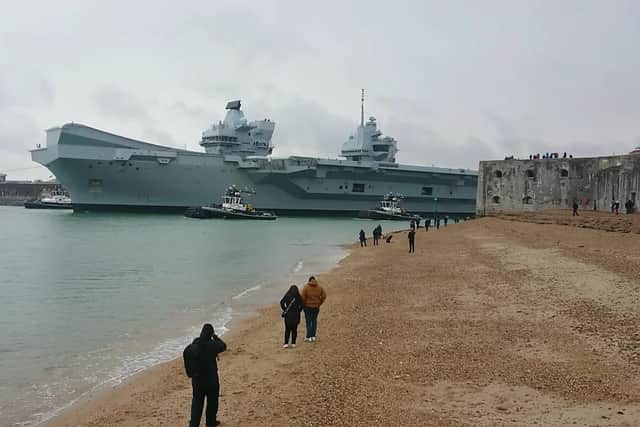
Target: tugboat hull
(207,212)
(375,214)
(37,204)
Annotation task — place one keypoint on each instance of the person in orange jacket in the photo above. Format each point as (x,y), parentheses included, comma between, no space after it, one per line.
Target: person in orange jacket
(313,296)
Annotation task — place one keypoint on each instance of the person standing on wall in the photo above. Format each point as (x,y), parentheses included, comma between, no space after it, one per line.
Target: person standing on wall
(575,208)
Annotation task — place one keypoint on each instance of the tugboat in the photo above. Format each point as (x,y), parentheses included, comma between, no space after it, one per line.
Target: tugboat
(389,209)
(56,200)
(232,207)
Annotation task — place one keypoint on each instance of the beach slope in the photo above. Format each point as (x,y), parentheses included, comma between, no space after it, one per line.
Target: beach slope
(490,321)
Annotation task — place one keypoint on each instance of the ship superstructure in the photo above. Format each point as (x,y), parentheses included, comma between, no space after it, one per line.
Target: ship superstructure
(234,135)
(104,171)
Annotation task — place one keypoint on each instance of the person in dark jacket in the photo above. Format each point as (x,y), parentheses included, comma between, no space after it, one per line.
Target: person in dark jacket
(363,238)
(412,240)
(291,304)
(377,235)
(427,224)
(206,383)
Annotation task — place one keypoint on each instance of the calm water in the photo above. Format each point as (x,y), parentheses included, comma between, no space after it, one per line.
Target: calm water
(90,299)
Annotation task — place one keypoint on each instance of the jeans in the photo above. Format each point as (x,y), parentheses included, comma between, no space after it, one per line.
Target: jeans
(200,391)
(311,318)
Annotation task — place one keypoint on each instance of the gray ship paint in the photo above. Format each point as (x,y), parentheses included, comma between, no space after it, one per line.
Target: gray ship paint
(103,171)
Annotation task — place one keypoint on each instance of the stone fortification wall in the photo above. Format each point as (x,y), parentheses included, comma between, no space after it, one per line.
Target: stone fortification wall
(534,185)
(16,193)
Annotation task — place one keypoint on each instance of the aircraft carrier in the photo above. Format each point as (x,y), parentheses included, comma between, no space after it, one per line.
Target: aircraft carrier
(104,171)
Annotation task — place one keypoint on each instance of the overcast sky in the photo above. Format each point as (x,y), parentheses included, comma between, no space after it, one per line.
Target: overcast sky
(454,82)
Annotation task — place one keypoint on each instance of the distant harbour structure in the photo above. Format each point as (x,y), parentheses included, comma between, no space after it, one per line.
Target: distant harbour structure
(513,185)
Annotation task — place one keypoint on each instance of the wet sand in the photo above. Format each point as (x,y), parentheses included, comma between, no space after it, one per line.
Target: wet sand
(491,321)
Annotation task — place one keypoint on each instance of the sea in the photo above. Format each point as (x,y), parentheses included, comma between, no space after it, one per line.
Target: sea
(89,299)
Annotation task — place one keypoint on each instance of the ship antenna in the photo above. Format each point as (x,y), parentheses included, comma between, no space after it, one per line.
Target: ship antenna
(362,109)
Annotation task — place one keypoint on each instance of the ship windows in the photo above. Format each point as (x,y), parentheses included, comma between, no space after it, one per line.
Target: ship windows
(95,185)
(357,188)
(427,191)
(381,148)
(221,138)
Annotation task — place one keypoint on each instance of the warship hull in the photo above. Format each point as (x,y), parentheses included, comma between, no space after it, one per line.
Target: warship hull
(107,172)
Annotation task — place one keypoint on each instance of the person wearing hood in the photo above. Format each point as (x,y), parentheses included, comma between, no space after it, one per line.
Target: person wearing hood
(291,304)
(205,382)
(313,296)
(363,238)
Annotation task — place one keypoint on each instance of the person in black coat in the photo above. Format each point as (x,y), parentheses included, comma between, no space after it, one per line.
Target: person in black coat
(291,304)
(363,238)
(412,240)
(206,382)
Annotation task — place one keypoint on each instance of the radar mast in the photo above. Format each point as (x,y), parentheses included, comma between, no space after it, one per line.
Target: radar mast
(362,108)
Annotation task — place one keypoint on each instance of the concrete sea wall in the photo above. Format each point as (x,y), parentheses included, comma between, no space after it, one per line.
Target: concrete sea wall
(534,185)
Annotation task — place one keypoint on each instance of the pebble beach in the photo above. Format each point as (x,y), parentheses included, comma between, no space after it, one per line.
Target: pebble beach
(518,321)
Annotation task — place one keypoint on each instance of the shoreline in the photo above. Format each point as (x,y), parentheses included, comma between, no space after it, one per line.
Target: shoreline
(488,322)
(244,306)
(240,321)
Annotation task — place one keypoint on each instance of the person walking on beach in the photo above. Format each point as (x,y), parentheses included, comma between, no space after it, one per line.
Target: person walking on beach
(205,382)
(313,296)
(412,240)
(446,219)
(437,223)
(575,208)
(363,239)
(291,304)
(427,224)
(375,236)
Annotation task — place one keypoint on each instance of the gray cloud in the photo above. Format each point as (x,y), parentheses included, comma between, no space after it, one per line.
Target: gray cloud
(116,103)
(156,136)
(453,83)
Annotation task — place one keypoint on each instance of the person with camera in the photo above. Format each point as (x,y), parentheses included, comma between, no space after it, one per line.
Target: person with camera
(291,304)
(200,359)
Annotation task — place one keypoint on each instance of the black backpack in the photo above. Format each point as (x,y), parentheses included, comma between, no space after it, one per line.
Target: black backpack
(192,356)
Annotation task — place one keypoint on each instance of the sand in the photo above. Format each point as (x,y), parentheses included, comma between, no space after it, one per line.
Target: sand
(491,321)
